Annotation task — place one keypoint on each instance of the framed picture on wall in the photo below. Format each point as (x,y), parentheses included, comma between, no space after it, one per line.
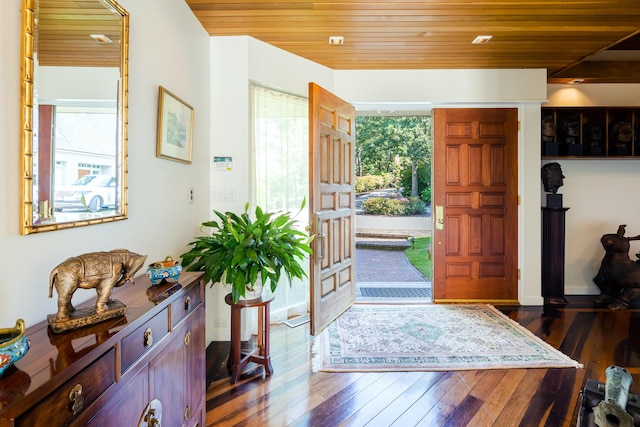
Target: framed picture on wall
(175,128)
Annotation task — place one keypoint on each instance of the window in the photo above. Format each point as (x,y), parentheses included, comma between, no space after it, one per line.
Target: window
(280,130)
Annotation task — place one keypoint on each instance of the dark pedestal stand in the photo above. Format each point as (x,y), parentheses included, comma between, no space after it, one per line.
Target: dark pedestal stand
(553,224)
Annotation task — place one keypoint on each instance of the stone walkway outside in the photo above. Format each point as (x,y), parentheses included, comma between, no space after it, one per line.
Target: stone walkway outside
(380,258)
(375,265)
(376,268)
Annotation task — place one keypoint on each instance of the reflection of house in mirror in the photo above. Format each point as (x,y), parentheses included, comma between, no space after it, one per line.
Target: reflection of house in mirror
(85,143)
(77,126)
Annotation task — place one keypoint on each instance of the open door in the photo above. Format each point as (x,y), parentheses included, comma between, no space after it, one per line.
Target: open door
(475,234)
(332,205)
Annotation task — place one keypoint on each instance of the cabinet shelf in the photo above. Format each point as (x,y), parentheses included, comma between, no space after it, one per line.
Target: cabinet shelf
(590,132)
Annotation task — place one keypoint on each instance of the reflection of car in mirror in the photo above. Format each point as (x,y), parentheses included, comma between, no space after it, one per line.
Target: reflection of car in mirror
(91,192)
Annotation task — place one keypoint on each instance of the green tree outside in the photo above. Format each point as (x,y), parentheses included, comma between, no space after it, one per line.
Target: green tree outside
(396,145)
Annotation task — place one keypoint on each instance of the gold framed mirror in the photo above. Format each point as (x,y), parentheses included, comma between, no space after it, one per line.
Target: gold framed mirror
(74,109)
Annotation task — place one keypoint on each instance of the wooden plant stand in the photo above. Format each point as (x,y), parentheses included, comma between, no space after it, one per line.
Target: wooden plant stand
(238,360)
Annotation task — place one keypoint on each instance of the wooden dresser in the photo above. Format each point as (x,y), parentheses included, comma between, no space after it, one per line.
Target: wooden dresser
(124,372)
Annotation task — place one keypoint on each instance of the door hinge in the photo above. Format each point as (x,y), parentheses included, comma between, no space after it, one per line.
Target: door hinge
(518,125)
(518,200)
(518,274)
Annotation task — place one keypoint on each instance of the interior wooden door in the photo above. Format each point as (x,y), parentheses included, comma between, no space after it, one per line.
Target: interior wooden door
(332,205)
(475,203)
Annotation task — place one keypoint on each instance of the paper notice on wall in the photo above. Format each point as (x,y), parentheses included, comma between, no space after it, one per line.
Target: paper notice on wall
(222,163)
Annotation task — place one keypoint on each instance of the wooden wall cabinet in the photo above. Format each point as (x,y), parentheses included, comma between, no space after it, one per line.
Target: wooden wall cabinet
(115,372)
(611,132)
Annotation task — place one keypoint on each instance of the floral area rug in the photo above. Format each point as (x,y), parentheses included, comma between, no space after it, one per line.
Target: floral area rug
(434,337)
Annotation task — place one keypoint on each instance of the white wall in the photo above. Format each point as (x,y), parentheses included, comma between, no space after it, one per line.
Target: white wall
(73,83)
(601,193)
(441,87)
(590,95)
(168,47)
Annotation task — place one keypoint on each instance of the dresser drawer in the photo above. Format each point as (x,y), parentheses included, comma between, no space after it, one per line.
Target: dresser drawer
(184,305)
(144,338)
(69,400)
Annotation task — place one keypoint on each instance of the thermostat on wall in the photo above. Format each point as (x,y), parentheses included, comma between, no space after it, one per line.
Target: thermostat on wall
(221,163)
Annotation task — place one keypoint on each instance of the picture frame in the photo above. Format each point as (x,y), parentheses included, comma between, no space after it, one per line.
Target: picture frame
(175,128)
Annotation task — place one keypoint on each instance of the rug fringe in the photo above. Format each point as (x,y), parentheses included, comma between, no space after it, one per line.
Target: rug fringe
(316,351)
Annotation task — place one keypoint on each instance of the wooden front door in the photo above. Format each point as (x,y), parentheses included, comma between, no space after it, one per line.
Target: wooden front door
(332,205)
(475,200)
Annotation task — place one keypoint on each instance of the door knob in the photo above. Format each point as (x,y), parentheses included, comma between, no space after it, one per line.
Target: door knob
(439,217)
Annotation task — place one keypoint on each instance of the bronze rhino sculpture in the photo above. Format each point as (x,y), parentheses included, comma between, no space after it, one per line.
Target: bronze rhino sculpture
(101,271)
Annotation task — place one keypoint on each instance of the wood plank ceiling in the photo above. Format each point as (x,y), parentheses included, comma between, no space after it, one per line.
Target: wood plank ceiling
(64,29)
(595,40)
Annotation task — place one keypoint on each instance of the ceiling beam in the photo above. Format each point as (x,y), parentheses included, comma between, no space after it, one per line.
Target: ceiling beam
(600,72)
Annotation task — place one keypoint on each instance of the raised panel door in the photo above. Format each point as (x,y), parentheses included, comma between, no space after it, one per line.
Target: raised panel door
(475,194)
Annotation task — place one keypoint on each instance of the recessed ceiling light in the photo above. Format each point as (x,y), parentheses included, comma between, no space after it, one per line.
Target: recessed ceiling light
(336,40)
(101,38)
(482,39)
(575,81)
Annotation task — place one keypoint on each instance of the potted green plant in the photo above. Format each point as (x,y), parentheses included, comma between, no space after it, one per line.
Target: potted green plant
(244,253)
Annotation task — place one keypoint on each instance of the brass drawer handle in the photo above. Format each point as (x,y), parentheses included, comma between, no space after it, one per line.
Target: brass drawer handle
(187,338)
(77,401)
(187,413)
(187,304)
(148,338)
(152,415)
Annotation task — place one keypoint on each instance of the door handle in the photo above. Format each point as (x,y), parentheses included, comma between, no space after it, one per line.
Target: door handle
(439,217)
(319,240)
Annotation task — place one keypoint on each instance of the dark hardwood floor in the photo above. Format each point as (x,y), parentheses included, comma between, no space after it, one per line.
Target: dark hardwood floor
(295,396)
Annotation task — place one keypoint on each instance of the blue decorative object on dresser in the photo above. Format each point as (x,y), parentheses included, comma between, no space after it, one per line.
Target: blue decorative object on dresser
(13,345)
(162,270)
